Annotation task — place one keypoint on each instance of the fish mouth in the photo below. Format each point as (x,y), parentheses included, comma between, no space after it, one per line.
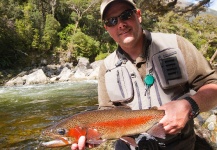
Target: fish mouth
(59,142)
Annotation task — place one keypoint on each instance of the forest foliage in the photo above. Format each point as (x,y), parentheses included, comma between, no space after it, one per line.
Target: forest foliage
(33,30)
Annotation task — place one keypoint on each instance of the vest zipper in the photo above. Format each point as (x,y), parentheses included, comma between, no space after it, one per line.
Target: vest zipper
(139,96)
(119,84)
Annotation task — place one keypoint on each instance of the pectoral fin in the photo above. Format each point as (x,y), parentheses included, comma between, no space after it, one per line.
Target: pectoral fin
(157,131)
(94,137)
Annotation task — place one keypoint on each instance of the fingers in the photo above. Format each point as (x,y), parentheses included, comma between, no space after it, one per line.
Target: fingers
(172,129)
(80,145)
(174,119)
(172,125)
(74,147)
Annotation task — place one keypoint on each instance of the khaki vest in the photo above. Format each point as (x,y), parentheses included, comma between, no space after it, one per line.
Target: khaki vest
(124,83)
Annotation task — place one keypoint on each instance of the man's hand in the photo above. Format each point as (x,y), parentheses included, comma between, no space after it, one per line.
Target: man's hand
(176,116)
(80,145)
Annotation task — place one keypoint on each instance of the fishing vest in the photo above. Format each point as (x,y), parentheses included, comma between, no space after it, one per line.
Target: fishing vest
(166,67)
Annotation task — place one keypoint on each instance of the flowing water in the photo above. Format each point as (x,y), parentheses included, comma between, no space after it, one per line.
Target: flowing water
(25,111)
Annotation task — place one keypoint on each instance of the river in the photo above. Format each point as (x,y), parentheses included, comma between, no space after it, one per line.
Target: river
(26,110)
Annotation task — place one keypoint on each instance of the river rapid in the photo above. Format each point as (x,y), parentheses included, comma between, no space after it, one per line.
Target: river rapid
(26,110)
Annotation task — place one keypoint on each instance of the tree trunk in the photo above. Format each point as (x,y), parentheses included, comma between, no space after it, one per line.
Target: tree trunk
(213,57)
(53,6)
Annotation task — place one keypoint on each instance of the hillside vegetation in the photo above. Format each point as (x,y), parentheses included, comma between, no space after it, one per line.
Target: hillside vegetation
(37,32)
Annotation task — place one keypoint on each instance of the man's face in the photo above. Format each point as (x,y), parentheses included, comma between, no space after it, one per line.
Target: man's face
(125,32)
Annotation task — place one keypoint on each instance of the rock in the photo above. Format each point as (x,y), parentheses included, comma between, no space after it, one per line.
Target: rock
(19,81)
(211,118)
(94,74)
(206,127)
(211,126)
(53,79)
(69,65)
(65,74)
(79,74)
(9,83)
(16,82)
(52,70)
(96,64)
(83,63)
(88,72)
(58,73)
(36,78)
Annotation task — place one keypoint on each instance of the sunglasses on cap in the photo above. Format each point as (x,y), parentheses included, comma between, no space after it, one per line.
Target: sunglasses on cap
(123,16)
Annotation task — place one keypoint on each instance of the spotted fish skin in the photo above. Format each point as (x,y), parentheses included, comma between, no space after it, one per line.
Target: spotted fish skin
(100,125)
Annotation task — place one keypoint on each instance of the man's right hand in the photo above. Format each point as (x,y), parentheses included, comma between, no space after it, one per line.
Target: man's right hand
(80,145)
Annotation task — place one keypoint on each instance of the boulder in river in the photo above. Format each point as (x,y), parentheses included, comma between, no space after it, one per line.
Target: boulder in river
(36,78)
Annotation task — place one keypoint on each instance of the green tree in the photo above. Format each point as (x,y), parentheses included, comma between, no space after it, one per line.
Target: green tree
(79,9)
(205,26)
(201,31)
(85,45)
(50,37)
(65,36)
(155,8)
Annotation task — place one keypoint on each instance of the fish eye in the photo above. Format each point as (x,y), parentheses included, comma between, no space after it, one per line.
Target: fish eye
(61,131)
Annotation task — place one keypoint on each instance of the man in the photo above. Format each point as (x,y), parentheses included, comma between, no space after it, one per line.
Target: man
(145,59)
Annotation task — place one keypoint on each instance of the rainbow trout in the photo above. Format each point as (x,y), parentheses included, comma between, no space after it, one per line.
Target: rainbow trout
(100,125)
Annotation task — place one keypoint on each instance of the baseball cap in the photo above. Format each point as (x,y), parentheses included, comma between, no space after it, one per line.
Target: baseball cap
(106,3)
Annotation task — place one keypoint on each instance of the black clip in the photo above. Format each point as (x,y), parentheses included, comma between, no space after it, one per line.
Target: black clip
(119,63)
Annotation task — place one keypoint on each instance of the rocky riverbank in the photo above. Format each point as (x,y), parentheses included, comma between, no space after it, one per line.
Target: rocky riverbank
(205,126)
(57,73)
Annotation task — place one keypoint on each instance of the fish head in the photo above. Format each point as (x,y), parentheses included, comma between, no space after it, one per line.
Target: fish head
(56,137)
(62,134)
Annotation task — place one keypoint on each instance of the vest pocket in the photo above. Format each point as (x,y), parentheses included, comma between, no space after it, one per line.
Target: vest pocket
(170,68)
(119,84)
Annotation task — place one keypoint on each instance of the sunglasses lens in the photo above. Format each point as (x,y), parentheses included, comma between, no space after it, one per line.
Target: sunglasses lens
(111,22)
(126,15)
